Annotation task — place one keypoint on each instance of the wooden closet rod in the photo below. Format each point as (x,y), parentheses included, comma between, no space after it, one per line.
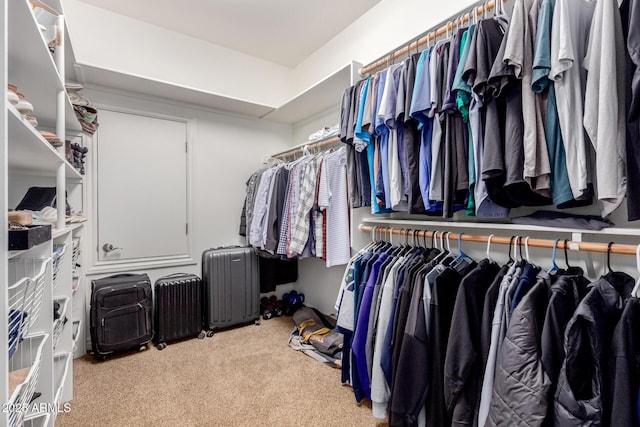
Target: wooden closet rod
(311,145)
(430,35)
(538,243)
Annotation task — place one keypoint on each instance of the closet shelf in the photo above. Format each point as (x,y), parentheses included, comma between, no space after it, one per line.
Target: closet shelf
(30,153)
(32,68)
(68,229)
(314,100)
(507,227)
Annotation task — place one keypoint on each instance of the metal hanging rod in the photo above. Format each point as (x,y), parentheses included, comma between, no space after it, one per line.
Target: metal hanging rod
(429,35)
(539,243)
(298,149)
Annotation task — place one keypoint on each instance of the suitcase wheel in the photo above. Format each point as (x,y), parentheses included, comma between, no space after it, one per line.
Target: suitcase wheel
(256,322)
(142,348)
(210,333)
(201,335)
(100,357)
(162,345)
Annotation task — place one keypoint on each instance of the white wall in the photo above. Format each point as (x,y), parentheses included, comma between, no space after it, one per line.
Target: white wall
(226,150)
(388,25)
(104,39)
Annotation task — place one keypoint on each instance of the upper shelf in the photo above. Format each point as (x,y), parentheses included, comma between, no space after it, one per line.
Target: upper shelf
(30,152)
(32,68)
(316,99)
(134,84)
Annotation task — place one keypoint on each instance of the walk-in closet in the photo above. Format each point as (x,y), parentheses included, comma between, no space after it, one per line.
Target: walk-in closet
(363,213)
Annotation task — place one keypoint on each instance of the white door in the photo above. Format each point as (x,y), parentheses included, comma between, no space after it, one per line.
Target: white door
(141,187)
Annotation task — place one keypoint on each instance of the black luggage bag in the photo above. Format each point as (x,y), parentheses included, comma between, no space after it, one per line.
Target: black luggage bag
(178,308)
(121,313)
(231,282)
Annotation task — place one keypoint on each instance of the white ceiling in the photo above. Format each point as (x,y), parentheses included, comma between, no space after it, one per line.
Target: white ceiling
(281,31)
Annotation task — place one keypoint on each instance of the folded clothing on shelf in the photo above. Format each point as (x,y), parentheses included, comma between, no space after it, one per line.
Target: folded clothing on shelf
(324,132)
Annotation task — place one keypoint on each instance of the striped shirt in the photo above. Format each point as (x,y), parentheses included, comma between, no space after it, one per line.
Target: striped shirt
(333,198)
(300,229)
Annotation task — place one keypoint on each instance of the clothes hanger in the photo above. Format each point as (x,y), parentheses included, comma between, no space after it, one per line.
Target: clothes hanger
(526,248)
(609,257)
(511,260)
(554,266)
(489,248)
(636,288)
(573,270)
(462,257)
(520,247)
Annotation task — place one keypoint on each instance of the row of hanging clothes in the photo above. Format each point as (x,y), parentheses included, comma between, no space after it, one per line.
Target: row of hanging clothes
(300,208)
(433,337)
(528,110)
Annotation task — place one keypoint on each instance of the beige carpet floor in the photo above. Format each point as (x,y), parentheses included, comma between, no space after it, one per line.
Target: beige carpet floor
(246,376)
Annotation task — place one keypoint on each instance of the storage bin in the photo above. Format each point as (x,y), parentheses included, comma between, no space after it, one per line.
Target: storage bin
(24,371)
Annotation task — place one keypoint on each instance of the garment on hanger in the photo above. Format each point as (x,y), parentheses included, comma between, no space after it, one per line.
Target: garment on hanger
(583,383)
(630,13)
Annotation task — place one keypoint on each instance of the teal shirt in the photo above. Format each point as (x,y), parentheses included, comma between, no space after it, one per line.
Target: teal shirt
(560,187)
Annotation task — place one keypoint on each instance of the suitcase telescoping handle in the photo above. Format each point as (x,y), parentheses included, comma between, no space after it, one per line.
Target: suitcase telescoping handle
(176,275)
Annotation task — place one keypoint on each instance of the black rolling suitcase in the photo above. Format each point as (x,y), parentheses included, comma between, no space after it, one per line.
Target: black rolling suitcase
(121,313)
(231,279)
(178,308)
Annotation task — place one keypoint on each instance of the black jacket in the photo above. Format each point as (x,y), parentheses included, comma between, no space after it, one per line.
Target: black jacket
(581,385)
(624,369)
(462,366)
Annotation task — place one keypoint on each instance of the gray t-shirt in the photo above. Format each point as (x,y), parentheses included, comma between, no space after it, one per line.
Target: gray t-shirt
(519,55)
(604,111)
(569,35)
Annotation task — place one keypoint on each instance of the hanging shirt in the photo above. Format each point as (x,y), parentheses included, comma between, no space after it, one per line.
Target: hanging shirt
(421,111)
(260,207)
(630,10)
(386,114)
(604,111)
(561,192)
(507,90)
(412,137)
(519,55)
(483,54)
(438,83)
(300,234)
(382,131)
(475,75)
(569,36)
(333,198)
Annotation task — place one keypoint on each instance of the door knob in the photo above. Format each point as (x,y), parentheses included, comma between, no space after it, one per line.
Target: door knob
(108,247)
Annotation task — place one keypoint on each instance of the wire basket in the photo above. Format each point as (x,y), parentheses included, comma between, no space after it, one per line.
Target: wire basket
(18,294)
(24,370)
(58,256)
(61,367)
(25,296)
(58,325)
(38,421)
(75,254)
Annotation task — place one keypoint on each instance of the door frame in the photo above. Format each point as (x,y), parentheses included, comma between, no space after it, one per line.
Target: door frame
(96,266)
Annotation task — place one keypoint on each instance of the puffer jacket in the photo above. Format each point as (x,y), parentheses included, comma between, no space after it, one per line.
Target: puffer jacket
(581,392)
(521,384)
